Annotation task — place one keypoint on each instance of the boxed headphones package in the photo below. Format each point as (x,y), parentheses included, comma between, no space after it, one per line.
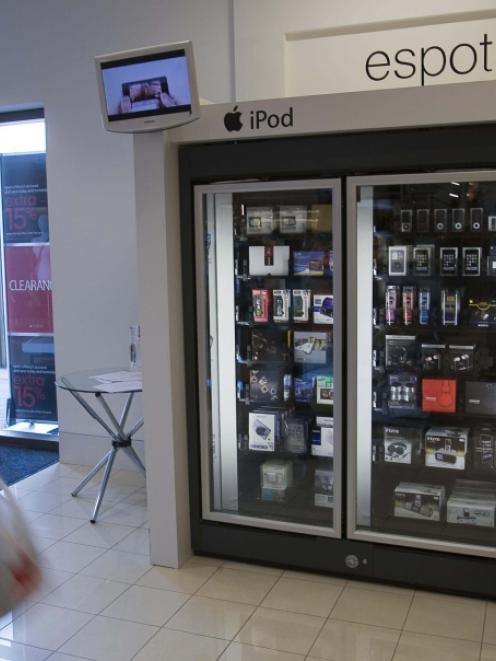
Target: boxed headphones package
(482,312)
(402,445)
(259,220)
(439,395)
(480,397)
(268,260)
(402,391)
(446,447)
(432,357)
(461,358)
(419,501)
(401,351)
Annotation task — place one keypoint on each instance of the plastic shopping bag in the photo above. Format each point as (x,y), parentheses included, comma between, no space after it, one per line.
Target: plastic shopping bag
(19,572)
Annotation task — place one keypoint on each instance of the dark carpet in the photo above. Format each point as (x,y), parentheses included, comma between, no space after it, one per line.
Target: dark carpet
(18,463)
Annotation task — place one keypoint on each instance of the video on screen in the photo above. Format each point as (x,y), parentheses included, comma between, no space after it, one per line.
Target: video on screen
(147,86)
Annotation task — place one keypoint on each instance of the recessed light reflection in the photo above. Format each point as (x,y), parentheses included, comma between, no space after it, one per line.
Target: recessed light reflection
(454,195)
(455,183)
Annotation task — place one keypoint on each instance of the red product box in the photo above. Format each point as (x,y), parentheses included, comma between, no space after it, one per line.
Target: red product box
(439,395)
(261,304)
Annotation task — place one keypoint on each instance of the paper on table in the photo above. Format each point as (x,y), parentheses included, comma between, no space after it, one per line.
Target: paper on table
(118,376)
(120,386)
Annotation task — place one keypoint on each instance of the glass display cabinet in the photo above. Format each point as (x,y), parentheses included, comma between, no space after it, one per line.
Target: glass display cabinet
(268,309)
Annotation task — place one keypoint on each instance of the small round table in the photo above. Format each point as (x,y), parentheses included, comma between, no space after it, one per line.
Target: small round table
(90,382)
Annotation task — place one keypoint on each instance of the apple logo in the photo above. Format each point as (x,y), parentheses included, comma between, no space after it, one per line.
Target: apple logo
(232,120)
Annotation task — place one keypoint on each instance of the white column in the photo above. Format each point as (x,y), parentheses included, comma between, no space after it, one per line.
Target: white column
(160,294)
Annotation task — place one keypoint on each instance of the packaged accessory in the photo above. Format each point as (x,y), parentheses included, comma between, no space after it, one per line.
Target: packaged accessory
(268,260)
(419,501)
(439,395)
(446,447)
(259,220)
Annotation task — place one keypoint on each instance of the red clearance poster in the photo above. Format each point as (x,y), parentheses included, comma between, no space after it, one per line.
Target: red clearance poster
(29,288)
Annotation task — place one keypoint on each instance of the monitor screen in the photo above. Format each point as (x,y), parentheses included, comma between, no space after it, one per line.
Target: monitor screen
(149,89)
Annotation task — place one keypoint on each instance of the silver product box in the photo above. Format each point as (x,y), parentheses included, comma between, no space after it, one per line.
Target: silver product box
(471,511)
(419,501)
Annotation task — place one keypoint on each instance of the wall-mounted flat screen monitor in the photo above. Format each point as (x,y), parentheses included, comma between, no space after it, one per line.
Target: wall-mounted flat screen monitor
(148,89)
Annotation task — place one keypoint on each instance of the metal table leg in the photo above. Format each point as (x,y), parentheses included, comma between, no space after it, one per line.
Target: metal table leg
(120,440)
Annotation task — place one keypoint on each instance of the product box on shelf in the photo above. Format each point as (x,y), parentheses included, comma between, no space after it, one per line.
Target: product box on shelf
(323,309)
(324,487)
(432,357)
(281,305)
(480,397)
(323,442)
(482,312)
(312,262)
(398,260)
(423,259)
(276,475)
(295,431)
(293,219)
(402,391)
(402,445)
(261,305)
(264,430)
(259,220)
(268,344)
(401,351)
(439,395)
(472,503)
(484,448)
(462,358)
(446,447)
(266,385)
(311,347)
(325,389)
(268,260)
(301,304)
(450,307)
(304,389)
(419,501)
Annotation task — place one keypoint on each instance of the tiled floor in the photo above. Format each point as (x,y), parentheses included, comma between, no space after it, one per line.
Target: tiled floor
(102,600)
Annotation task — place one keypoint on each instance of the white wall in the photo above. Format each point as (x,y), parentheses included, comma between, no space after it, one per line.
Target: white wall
(267,49)
(46,57)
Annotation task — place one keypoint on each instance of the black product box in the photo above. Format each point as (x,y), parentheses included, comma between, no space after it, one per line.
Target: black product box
(461,358)
(432,357)
(296,434)
(419,501)
(480,397)
(304,389)
(482,313)
(484,448)
(402,445)
(401,351)
(446,447)
(269,345)
(266,386)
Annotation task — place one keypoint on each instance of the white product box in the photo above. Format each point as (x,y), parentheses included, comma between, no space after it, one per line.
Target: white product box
(323,442)
(419,501)
(259,220)
(310,347)
(268,260)
(263,431)
(292,220)
(471,511)
(324,421)
(323,500)
(323,309)
(276,474)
